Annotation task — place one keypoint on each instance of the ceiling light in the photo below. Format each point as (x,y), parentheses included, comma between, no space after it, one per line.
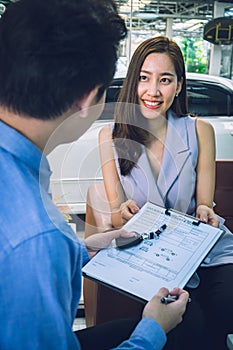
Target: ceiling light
(149,15)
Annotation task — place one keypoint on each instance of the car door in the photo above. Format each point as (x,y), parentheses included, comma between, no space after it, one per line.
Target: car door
(214,102)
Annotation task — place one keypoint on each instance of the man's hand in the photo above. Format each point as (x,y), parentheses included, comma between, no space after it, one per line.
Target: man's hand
(128,209)
(169,315)
(98,241)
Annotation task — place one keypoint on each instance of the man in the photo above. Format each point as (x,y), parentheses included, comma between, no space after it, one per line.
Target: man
(57,58)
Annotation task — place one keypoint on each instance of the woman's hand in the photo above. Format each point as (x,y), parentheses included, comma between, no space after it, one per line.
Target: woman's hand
(207,215)
(128,209)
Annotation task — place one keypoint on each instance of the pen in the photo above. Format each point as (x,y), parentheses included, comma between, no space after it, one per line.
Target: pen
(161,229)
(154,234)
(169,299)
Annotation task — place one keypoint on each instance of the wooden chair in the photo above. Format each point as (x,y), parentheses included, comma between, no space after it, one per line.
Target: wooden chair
(103,304)
(224,191)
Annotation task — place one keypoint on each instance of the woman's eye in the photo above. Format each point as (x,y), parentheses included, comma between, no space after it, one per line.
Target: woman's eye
(165,80)
(142,78)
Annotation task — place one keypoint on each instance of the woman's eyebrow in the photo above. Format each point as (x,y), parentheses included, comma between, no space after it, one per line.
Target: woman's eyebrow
(167,73)
(161,74)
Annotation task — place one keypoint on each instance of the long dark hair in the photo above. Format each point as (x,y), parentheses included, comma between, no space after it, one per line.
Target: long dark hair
(129,124)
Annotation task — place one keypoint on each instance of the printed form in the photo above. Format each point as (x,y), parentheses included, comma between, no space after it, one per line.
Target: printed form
(168,260)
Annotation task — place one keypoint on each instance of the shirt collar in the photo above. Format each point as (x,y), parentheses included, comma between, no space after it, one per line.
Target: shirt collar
(23,149)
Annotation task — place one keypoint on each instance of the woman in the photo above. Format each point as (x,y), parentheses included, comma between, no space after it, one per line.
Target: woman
(156,152)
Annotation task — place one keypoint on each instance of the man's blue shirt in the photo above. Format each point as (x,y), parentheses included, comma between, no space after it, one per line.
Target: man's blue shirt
(40,258)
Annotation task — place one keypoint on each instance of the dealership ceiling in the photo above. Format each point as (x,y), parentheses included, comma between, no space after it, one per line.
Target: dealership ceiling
(188,17)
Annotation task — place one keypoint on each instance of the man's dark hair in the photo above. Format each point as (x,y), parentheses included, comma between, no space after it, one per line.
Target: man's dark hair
(53,52)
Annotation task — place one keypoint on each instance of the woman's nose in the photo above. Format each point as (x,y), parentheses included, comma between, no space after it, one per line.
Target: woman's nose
(153,89)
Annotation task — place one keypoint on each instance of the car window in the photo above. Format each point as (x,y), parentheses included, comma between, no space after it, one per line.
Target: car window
(111,97)
(114,90)
(207,99)
(204,99)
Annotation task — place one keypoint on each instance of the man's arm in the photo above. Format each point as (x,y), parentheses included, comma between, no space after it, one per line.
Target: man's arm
(37,303)
(160,317)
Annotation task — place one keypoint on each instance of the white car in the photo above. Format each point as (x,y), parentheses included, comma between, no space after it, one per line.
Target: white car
(76,165)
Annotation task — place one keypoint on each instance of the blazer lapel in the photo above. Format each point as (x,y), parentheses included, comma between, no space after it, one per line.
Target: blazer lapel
(176,153)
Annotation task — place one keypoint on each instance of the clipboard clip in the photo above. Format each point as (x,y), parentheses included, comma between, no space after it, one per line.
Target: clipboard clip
(195,221)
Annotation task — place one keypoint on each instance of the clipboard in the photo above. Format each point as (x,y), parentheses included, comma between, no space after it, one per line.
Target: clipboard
(168,260)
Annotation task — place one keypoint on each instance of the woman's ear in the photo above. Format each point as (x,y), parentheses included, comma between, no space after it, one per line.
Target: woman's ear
(179,86)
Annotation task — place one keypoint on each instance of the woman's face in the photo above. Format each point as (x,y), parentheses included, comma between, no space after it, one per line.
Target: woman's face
(157,85)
